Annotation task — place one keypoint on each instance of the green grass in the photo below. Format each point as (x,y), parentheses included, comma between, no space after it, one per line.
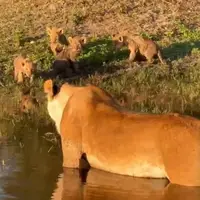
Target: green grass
(151,88)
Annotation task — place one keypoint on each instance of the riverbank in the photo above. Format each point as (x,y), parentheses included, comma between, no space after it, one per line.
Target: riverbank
(154,88)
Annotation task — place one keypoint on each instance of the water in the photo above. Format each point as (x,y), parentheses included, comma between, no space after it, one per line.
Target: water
(35,173)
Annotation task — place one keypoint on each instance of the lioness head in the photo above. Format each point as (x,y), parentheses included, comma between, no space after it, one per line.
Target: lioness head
(56,100)
(76,43)
(54,33)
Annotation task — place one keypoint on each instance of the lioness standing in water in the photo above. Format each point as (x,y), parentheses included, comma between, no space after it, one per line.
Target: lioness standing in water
(142,145)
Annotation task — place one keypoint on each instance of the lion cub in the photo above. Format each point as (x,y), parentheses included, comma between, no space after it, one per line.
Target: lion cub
(73,50)
(23,67)
(28,103)
(56,35)
(70,53)
(137,44)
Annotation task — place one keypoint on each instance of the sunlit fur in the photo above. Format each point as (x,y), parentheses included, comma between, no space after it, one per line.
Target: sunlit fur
(121,142)
(23,67)
(138,44)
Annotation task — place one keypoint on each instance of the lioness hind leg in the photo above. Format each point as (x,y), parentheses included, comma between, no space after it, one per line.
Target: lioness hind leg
(184,171)
(182,161)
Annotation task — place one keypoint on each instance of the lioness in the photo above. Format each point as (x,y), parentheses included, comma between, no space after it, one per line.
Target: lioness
(138,44)
(141,145)
(23,67)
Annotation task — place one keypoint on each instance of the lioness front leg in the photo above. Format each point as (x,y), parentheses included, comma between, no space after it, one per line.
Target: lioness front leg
(71,153)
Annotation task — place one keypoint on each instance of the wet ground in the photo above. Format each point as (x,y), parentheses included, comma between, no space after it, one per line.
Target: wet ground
(33,171)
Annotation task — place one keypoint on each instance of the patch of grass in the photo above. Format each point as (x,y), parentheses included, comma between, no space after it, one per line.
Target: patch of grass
(141,87)
(99,52)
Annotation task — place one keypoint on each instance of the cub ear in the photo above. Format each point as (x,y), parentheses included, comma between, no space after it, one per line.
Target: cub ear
(26,60)
(60,31)
(48,30)
(113,35)
(70,39)
(48,87)
(84,40)
(121,38)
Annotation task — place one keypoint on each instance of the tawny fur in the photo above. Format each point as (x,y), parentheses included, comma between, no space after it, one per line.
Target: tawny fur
(23,67)
(28,103)
(70,52)
(73,50)
(137,44)
(56,35)
(121,142)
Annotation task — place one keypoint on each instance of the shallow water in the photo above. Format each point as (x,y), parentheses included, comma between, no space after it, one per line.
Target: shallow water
(34,173)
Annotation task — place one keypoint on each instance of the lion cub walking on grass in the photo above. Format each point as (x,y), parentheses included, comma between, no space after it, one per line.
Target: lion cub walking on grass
(138,44)
(23,67)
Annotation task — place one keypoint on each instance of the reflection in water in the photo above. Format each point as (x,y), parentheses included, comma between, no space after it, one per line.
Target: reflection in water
(31,173)
(28,173)
(101,185)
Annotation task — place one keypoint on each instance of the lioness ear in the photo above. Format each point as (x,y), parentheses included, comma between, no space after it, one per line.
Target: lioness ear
(48,30)
(60,31)
(121,38)
(70,39)
(48,87)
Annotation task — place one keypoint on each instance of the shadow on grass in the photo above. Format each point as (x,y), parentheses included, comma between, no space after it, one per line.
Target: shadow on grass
(29,39)
(95,57)
(98,53)
(180,50)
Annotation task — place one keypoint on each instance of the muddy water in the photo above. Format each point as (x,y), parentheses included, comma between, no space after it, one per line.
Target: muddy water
(33,171)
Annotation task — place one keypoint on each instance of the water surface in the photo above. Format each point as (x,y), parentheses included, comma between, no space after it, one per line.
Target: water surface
(33,171)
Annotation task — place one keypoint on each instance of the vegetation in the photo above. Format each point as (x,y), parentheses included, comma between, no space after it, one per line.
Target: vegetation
(154,88)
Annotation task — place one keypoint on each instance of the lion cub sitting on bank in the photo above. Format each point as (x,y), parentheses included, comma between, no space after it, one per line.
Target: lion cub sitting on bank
(68,51)
(28,103)
(65,48)
(138,44)
(143,145)
(23,67)
(66,58)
